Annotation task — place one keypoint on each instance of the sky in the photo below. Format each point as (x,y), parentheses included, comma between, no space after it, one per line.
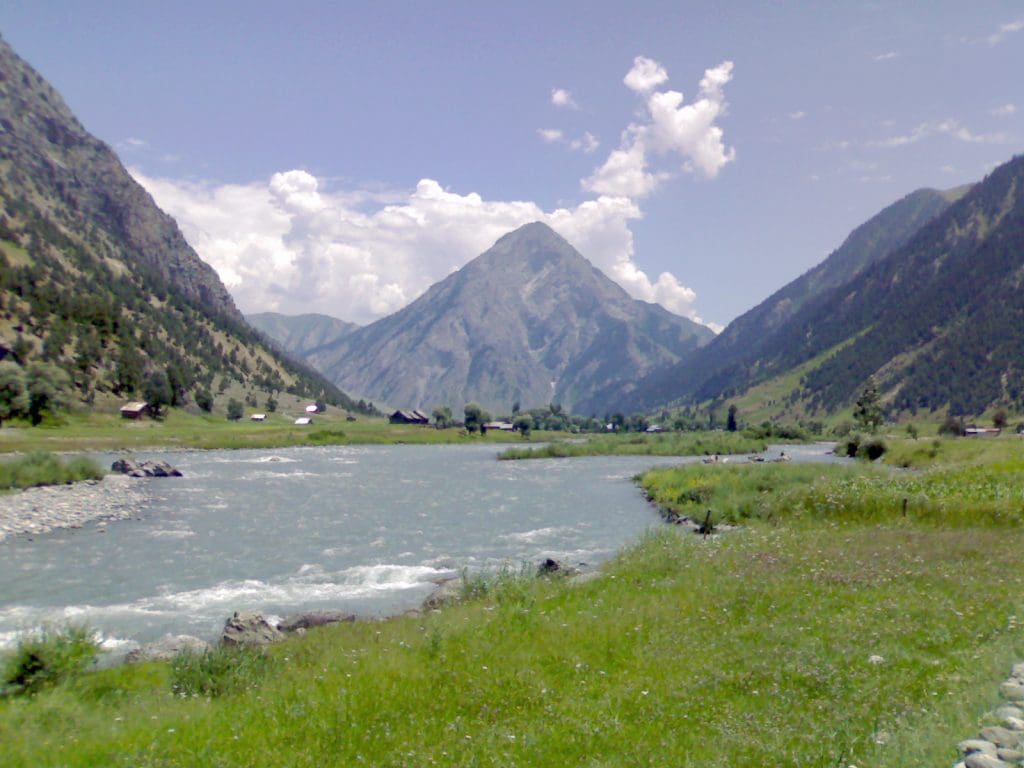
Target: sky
(341,157)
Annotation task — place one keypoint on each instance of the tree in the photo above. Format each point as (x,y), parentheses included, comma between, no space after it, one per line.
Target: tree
(868,410)
(157,391)
(235,410)
(523,424)
(442,416)
(271,404)
(13,396)
(730,422)
(1000,418)
(45,383)
(204,399)
(474,417)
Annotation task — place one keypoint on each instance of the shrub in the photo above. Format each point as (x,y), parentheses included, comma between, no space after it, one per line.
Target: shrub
(952,426)
(47,658)
(219,671)
(43,468)
(871,449)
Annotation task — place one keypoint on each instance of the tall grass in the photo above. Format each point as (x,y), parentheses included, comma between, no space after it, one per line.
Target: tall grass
(668,444)
(43,468)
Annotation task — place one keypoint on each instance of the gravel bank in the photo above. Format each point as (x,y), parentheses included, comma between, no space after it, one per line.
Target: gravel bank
(38,510)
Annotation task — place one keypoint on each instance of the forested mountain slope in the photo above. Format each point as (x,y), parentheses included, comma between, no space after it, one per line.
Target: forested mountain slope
(939,321)
(98,281)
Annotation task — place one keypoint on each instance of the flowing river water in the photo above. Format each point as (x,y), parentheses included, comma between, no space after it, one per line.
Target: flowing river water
(365,529)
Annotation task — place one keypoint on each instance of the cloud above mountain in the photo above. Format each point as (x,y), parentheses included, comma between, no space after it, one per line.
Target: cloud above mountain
(293,244)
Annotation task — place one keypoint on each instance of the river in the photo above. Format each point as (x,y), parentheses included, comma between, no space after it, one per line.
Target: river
(365,529)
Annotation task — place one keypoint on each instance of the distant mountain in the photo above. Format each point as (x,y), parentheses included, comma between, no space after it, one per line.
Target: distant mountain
(743,353)
(298,335)
(528,321)
(96,279)
(939,322)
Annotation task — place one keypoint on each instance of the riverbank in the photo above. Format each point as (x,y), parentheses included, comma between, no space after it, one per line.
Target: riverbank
(826,634)
(35,511)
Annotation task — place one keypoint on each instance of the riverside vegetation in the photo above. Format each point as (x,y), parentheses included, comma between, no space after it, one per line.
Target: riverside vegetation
(839,627)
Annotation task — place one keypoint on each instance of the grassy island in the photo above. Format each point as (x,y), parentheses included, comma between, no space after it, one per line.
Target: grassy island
(838,627)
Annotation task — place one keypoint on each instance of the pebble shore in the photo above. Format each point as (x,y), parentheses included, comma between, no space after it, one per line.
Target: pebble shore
(39,510)
(1002,745)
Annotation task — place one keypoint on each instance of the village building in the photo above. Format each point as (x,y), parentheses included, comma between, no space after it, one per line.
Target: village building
(134,410)
(409,417)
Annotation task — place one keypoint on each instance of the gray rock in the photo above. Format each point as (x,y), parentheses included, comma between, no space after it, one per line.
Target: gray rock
(977,746)
(250,629)
(980,760)
(1002,737)
(167,648)
(1013,723)
(1012,690)
(134,468)
(303,621)
(1018,671)
(447,591)
(1010,755)
(1008,710)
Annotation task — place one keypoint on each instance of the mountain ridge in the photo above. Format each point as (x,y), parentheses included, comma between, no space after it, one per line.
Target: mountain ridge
(530,320)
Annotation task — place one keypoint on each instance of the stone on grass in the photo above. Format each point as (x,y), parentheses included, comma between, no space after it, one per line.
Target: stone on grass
(249,629)
(981,760)
(1002,737)
(977,746)
(1012,690)
(310,619)
(167,648)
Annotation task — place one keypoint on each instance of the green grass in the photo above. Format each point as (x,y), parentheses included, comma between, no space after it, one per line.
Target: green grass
(104,431)
(45,659)
(632,444)
(43,468)
(831,631)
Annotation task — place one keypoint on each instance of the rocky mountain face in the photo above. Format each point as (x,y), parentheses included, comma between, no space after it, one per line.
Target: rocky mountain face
(97,280)
(938,321)
(529,321)
(50,162)
(741,354)
(299,335)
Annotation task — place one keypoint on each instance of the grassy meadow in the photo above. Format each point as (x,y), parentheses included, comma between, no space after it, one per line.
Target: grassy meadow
(640,444)
(106,431)
(832,630)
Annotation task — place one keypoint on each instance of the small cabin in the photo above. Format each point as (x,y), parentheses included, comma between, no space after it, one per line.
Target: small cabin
(409,417)
(258,417)
(501,426)
(303,421)
(134,410)
(311,408)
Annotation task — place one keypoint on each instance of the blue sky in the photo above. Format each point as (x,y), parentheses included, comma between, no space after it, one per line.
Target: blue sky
(341,157)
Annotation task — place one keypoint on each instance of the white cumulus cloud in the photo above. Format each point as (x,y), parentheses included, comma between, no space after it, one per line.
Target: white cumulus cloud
(291,246)
(645,75)
(1004,110)
(562,98)
(672,127)
(1004,31)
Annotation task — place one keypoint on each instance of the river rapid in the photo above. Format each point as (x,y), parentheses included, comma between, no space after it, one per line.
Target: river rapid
(365,529)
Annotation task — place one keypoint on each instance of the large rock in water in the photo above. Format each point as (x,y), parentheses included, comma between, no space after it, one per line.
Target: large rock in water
(249,629)
(134,468)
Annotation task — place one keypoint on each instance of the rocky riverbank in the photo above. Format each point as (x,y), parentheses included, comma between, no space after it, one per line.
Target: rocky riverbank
(39,510)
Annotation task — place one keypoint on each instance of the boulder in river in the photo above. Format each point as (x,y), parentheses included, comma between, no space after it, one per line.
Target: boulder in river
(134,468)
(250,629)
